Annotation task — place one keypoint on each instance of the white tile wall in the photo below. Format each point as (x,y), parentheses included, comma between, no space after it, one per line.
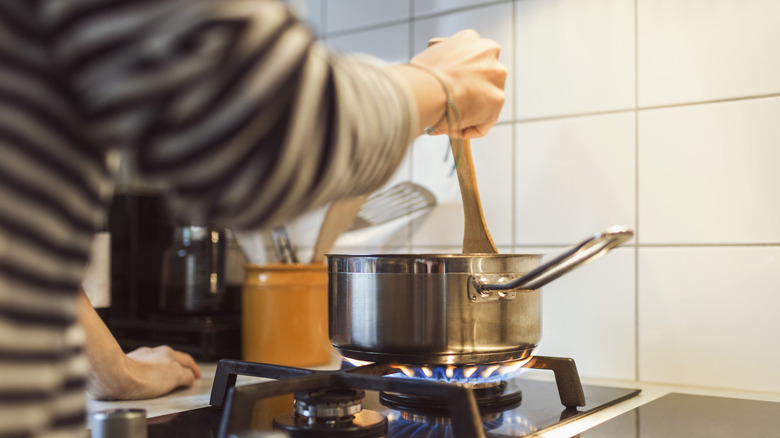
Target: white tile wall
(574,176)
(342,15)
(710,173)
(390,43)
(588,315)
(708,316)
(700,50)
(425,7)
(693,299)
(574,56)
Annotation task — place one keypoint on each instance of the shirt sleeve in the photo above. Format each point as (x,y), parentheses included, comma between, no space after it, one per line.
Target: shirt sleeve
(232,105)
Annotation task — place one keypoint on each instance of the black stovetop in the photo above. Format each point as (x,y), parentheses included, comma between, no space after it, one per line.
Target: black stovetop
(540,409)
(693,416)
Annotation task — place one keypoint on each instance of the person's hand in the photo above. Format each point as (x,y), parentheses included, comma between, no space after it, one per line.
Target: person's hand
(159,370)
(141,374)
(469,66)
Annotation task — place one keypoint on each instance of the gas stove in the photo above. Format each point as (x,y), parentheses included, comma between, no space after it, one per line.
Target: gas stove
(378,400)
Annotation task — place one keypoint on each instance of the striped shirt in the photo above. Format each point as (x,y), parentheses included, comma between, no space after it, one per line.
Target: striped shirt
(232,105)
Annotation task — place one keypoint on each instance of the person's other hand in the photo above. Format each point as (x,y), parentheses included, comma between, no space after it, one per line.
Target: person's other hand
(469,66)
(156,371)
(145,373)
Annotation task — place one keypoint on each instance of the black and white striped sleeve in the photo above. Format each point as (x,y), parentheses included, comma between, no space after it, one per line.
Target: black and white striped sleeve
(233,104)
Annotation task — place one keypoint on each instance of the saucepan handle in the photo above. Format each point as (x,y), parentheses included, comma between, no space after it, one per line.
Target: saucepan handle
(586,251)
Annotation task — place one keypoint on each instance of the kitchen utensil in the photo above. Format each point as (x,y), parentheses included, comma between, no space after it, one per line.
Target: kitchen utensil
(476,236)
(339,216)
(283,247)
(399,200)
(446,309)
(257,246)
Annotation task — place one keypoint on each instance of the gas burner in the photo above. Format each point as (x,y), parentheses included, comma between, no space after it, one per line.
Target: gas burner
(471,375)
(332,412)
(329,403)
(491,398)
(236,403)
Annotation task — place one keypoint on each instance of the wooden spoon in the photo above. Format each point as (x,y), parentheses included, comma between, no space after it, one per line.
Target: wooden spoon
(476,237)
(339,216)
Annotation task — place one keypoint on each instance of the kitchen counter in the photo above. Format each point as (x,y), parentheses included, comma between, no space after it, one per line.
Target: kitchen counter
(198,396)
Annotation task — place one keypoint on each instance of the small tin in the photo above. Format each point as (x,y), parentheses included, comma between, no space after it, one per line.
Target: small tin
(118,423)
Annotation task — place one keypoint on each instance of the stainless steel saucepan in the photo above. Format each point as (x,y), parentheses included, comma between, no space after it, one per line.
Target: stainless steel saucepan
(447,309)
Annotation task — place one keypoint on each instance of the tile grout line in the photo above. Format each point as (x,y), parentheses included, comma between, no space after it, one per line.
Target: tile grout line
(646,108)
(412,17)
(637,354)
(513,132)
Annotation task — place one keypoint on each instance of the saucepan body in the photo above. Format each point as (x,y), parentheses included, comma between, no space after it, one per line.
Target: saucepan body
(441,309)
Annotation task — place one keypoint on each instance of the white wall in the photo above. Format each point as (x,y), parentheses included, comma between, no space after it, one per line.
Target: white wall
(661,115)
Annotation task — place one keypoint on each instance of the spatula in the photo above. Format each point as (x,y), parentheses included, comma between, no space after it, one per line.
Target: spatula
(399,200)
(339,216)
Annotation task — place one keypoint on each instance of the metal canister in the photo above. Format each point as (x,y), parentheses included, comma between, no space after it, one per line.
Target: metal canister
(118,423)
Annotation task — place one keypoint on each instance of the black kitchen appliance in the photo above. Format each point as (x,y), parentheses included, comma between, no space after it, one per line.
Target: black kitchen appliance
(380,400)
(141,314)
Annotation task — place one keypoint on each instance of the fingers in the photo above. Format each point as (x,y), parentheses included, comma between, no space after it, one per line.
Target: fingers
(162,378)
(475,131)
(469,65)
(164,353)
(165,356)
(186,376)
(187,362)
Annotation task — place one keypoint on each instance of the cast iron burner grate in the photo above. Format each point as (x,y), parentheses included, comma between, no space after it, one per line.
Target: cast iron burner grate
(459,401)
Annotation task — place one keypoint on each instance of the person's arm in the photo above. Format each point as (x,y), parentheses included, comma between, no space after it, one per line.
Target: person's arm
(243,115)
(143,373)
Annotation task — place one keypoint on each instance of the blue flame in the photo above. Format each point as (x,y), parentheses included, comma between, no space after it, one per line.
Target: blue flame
(468,374)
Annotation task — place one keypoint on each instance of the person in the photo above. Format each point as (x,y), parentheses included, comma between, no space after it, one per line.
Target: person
(233,106)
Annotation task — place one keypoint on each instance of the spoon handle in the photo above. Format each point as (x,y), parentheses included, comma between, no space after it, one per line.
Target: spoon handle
(476,236)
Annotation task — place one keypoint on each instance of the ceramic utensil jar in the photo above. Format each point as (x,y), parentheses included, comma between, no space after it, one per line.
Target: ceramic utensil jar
(285,314)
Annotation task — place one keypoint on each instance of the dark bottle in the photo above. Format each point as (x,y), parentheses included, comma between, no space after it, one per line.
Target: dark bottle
(193,272)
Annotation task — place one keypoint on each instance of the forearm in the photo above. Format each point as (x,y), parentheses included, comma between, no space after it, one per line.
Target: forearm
(237,109)
(143,373)
(108,376)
